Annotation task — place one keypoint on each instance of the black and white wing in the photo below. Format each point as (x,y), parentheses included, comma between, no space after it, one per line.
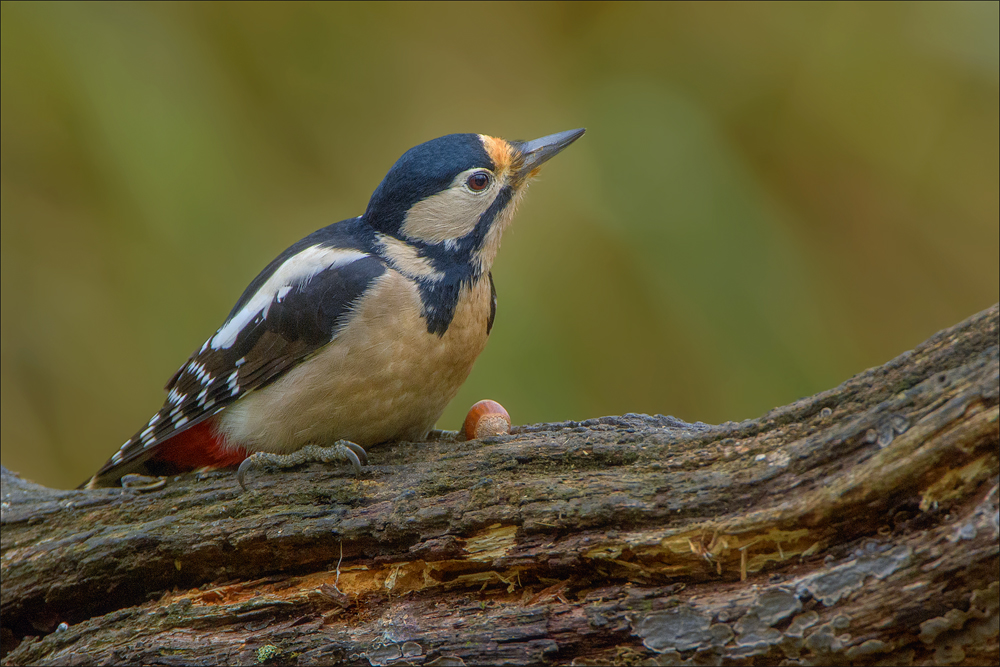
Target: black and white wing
(294,307)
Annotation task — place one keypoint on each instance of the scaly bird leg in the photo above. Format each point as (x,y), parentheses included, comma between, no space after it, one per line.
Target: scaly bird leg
(342,450)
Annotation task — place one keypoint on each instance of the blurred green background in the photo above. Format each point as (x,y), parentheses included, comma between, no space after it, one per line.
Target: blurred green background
(769,198)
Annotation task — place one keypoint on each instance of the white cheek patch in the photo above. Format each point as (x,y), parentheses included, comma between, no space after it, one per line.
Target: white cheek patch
(449,214)
(295,272)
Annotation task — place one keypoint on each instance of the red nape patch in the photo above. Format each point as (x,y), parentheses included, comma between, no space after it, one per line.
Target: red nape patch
(198,447)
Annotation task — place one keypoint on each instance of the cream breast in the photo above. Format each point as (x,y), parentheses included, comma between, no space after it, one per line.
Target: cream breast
(384,377)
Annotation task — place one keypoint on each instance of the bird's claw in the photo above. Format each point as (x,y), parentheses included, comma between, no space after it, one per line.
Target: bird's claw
(342,450)
(142,483)
(241,472)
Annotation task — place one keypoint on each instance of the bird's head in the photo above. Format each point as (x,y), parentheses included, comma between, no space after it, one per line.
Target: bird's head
(446,202)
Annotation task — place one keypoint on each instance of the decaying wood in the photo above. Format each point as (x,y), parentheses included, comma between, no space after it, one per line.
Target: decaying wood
(859,525)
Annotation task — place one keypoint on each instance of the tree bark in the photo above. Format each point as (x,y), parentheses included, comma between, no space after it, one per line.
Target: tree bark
(856,526)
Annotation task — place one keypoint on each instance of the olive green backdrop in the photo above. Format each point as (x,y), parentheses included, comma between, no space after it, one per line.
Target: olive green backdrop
(769,198)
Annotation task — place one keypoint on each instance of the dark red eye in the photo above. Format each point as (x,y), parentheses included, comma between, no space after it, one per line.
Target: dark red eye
(478,181)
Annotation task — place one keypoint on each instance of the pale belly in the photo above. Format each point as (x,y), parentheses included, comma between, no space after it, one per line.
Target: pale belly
(383,378)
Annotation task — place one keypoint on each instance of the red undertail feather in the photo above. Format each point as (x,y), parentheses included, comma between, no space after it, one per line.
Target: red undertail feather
(198,447)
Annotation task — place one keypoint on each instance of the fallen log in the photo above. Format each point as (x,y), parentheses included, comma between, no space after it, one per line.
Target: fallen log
(856,526)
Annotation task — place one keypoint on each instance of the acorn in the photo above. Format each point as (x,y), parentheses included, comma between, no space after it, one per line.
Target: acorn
(486,418)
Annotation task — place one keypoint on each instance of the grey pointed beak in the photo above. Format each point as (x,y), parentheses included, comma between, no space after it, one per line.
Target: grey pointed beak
(538,151)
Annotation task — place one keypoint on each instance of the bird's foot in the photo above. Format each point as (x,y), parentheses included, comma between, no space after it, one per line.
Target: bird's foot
(342,450)
(142,483)
(438,434)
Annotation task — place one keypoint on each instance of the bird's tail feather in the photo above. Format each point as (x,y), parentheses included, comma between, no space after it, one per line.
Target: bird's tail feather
(196,448)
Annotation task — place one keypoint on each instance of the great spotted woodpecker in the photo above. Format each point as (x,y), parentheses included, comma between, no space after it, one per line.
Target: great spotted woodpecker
(360,333)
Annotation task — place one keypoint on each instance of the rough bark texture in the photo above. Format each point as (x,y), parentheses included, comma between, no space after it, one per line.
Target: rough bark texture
(859,526)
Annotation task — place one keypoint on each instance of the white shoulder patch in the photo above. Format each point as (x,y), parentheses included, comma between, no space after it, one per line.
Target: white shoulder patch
(295,271)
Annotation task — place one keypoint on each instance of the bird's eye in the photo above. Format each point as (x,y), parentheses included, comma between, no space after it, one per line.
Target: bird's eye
(478,182)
